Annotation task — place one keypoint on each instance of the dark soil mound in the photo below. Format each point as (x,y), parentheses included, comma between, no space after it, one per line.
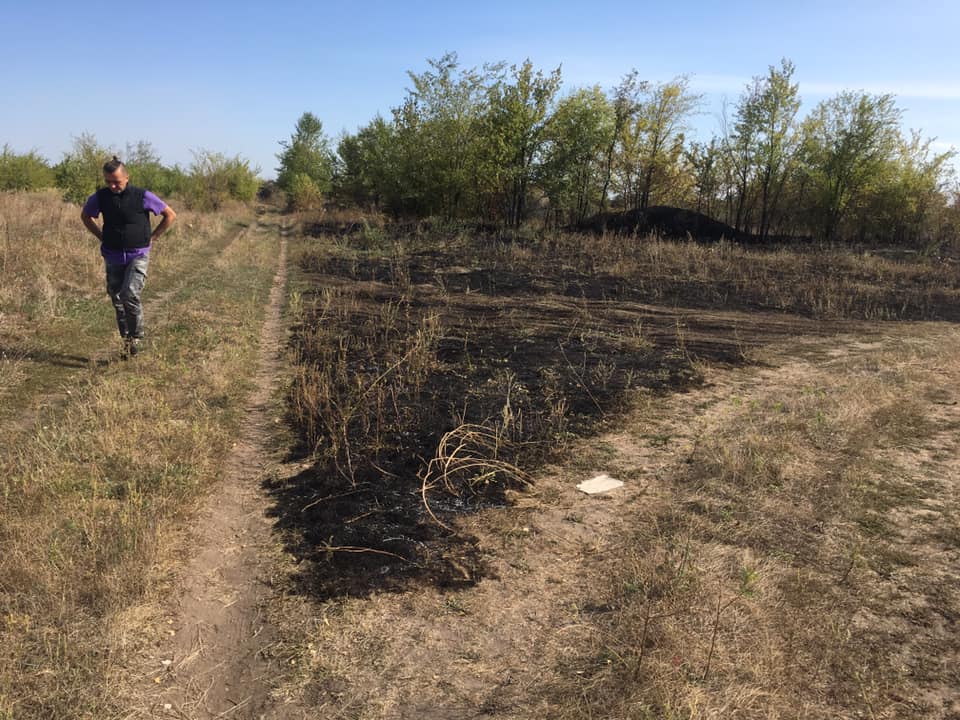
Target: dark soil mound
(665,221)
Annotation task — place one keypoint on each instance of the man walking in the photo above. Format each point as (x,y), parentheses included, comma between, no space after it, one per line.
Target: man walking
(125,244)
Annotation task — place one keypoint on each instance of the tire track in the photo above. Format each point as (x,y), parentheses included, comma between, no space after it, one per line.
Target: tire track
(52,393)
(217,661)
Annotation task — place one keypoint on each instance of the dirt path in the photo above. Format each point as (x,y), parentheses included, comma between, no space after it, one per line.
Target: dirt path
(216,662)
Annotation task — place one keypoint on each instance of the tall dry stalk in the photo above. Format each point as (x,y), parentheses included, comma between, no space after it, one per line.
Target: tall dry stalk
(467,460)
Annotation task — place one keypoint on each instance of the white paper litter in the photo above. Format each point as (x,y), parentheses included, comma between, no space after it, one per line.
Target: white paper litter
(599,484)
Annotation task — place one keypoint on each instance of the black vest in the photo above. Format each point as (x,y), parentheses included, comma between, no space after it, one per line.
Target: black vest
(126,225)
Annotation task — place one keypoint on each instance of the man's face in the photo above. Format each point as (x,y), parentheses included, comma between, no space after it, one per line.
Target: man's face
(117,180)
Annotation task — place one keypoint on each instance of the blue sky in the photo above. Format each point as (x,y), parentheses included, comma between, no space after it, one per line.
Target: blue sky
(234,77)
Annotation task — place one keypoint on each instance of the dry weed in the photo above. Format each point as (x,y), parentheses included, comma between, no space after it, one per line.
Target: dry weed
(774,585)
(45,253)
(468,460)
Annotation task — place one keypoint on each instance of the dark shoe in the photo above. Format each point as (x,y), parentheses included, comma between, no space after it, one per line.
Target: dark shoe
(131,346)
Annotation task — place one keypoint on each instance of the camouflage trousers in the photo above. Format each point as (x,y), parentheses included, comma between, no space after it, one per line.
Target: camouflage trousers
(124,286)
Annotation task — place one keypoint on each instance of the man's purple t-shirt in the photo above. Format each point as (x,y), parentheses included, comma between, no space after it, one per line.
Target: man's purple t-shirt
(121,257)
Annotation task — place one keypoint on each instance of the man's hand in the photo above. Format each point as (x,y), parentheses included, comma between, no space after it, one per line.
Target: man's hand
(92,226)
(168,217)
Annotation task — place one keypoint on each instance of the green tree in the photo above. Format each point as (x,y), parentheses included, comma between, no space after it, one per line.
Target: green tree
(28,171)
(513,131)
(306,153)
(907,202)
(351,171)
(850,142)
(579,134)
(367,167)
(80,172)
(663,119)
(437,139)
(739,163)
(146,170)
(652,145)
(770,107)
(704,160)
(625,102)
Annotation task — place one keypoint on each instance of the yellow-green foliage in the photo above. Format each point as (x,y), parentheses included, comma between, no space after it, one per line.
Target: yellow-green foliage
(215,179)
(28,171)
(304,193)
(80,172)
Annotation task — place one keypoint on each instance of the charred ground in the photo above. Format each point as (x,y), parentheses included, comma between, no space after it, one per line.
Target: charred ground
(406,335)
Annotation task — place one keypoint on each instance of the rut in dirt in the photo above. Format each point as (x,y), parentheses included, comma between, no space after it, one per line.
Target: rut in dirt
(217,662)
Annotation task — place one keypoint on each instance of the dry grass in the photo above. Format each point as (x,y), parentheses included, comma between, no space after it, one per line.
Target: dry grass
(45,256)
(101,460)
(828,283)
(796,569)
(467,459)
(355,391)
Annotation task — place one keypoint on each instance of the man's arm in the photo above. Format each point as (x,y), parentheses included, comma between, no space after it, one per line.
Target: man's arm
(168,217)
(91,225)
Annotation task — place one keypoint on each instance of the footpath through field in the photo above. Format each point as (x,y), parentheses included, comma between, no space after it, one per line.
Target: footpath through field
(218,660)
(103,460)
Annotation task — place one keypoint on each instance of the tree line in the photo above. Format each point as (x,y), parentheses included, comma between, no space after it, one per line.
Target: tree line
(211,180)
(504,144)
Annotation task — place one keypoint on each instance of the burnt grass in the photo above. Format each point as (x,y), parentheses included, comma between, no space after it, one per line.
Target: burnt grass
(405,338)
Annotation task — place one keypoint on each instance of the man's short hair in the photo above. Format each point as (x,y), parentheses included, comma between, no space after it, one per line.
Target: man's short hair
(111,166)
